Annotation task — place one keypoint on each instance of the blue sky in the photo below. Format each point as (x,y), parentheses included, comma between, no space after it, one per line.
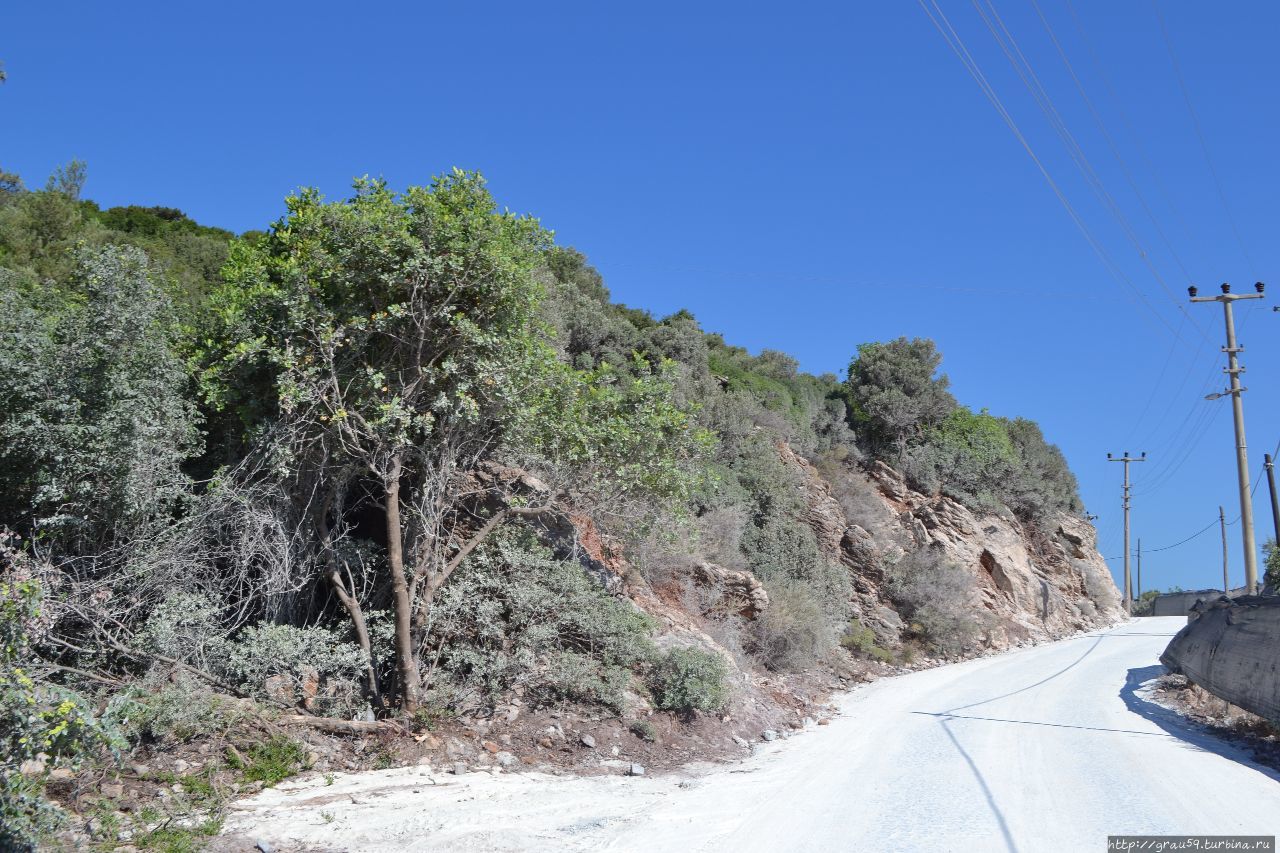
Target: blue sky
(802,177)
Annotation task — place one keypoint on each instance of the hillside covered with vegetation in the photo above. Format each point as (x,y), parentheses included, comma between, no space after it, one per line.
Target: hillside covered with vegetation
(347,466)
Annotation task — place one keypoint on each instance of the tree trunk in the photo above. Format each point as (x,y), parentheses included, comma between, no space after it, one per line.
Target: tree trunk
(410,681)
(356,612)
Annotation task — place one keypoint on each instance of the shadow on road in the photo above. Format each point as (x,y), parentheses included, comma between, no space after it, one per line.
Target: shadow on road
(986,790)
(1172,723)
(945,718)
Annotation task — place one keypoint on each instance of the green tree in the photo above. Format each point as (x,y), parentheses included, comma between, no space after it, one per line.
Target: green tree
(97,419)
(390,343)
(895,392)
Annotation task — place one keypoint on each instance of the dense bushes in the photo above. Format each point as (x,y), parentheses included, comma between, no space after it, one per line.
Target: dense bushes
(41,724)
(938,599)
(907,415)
(287,459)
(98,417)
(516,617)
(1271,565)
(797,630)
(688,679)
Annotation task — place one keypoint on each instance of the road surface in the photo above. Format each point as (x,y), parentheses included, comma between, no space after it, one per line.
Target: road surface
(1049,748)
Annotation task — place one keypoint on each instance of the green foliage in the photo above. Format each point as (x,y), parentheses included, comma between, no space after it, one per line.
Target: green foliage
(40,230)
(687,679)
(186,626)
(644,730)
(1271,572)
(265,650)
(1145,602)
(171,838)
(796,630)
(895,393)
(272,761)
(173,711)
(40,723)
(861,640)
(938,599)
(1039,481)
(96,423)
(969,456)
(782,550)
(614,438)
(513,615)
(383,322)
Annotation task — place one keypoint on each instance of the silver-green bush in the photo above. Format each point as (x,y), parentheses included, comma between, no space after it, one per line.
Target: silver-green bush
(686,679)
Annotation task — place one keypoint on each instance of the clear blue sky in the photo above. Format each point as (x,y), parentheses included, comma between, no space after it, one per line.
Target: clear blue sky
(802,177)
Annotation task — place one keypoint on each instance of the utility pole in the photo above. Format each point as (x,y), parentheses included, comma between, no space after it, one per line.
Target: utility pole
(1222,523)
(1275,507)
(1128,585)
(1233,370)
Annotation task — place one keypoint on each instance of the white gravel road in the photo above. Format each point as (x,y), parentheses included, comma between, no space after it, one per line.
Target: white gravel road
(1049,748)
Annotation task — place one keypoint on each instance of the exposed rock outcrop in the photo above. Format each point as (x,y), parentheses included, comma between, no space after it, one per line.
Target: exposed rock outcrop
(1035,583)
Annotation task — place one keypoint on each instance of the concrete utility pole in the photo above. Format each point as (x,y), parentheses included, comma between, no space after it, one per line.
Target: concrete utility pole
(1222,523)
(1233,370)
(1128,585)
(1275,507)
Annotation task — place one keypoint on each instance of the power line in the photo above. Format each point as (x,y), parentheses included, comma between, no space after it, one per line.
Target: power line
(1198,533)
(1213,523)
(956,43)
(1204,146)
(1111,143)
(1022,66)
(1135,138)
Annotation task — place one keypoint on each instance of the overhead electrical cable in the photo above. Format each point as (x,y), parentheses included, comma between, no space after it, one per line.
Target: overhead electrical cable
(1008,44)
(1198,533)
(1111,143)
(1204,145)
(1155,388)
(1136,138)
(943,25)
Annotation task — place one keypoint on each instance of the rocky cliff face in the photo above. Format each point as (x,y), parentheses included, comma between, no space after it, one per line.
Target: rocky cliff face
(1035,584)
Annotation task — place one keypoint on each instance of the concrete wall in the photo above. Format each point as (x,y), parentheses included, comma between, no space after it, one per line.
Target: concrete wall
(1233,651)
(1180,603)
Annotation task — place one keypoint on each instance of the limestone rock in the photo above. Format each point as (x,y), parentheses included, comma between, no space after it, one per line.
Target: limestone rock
(740,592)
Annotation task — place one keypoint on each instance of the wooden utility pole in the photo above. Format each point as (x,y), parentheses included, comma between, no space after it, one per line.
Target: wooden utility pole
(1233,370)
(1128,584)
(1222,523)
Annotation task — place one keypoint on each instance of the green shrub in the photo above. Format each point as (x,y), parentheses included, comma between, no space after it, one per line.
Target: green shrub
(860,639)
(688,679)
(171,838)
(938,599)
(783,551)
(172,712)
(1272,576)
(264,650)
(40,722)
(794,631)
(271,761)
(186,626)
(644,730)
(513,615)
